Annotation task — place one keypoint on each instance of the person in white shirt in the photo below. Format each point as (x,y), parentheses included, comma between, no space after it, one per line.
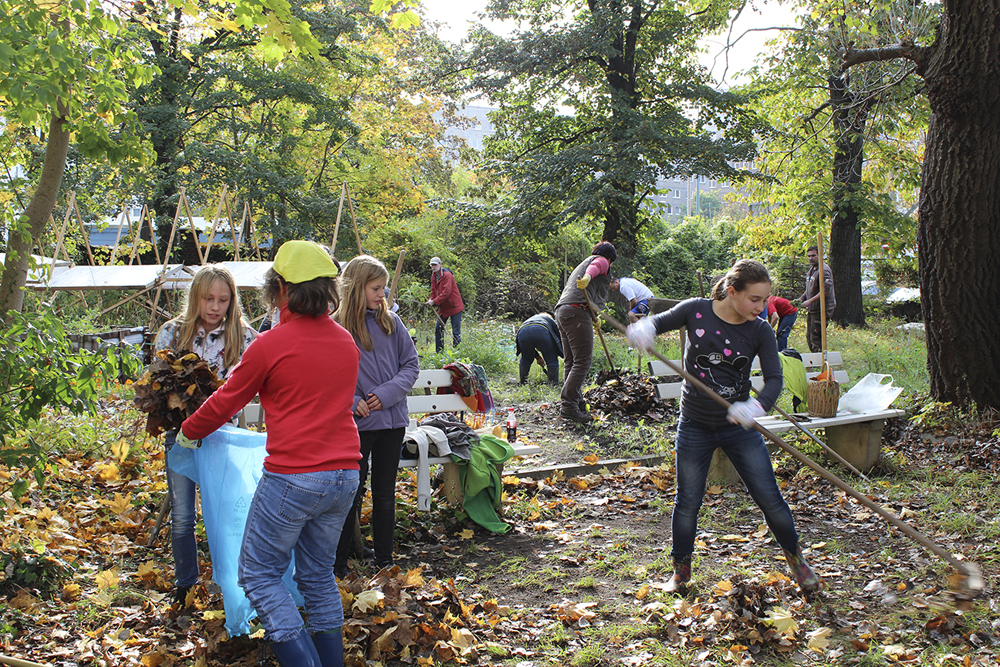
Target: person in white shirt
(637,294)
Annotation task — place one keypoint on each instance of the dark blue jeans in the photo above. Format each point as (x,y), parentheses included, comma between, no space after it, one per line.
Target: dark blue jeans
(785,325)
(534,340)
(384,446)
(746,450)
(456,331)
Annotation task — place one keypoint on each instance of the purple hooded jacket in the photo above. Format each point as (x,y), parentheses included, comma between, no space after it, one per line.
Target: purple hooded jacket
(388,371)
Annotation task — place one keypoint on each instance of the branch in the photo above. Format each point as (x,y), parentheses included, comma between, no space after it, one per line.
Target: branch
(917,54)
(810,117)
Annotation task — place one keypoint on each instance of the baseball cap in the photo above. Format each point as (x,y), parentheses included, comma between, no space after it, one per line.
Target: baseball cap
(435,261)
(302,261)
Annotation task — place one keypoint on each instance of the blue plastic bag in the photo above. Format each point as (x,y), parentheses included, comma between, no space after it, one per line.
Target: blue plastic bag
(227,468)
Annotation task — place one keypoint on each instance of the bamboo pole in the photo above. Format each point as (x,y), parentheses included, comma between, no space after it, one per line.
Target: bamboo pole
(83,230)
(354,221)
(336,226)
(118,234)
(232,228)
(821,276)
(215,222)
(166,260)
(194,230)
(395,278)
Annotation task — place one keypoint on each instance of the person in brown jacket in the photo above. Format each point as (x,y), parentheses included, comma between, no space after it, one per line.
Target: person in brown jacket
(445,295)
(810,299)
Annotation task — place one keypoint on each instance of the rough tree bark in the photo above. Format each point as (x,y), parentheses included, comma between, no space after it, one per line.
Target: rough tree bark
(849,119)
(15,272)
(958,234)
(959,216)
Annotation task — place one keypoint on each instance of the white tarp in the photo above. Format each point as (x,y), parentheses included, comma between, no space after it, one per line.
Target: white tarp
(46,266)
(109,277)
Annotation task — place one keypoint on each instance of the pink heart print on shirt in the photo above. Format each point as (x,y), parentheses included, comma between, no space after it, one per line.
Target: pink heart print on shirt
(699,332)
(718,333)
(726,351)
(697,316)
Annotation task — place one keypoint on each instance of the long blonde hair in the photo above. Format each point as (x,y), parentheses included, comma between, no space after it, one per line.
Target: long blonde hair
(353,302)
(234,332)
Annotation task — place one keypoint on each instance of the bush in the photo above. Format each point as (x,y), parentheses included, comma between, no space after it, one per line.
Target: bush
(38,370)
(671,268)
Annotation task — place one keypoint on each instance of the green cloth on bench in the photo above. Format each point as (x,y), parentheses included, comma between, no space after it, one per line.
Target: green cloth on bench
(482,485)
(794,372)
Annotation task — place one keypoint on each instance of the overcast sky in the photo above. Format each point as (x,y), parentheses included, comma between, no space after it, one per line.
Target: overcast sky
(457,15)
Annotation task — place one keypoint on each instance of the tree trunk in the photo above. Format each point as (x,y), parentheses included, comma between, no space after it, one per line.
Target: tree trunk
(958,232)
(849,120)
(15,272)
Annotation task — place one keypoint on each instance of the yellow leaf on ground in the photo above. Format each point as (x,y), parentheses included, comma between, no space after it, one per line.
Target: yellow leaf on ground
(24,601)
(121,504)
(782,620)
(368,600)
(70,592)
(818,639)
(107,578)
(120,449)
(467,534)
(413,578)
(723,587)
(591,458)
(107,472)
(213,614)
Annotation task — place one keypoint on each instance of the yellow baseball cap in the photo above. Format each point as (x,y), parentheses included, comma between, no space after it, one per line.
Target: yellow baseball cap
(302,261)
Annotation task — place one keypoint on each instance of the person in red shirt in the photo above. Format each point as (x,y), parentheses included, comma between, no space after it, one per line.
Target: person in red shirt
(305,370)
(782,315)
(445,295)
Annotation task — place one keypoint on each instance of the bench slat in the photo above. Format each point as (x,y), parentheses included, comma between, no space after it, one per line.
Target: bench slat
(519,450)
(432,378)
(436,403)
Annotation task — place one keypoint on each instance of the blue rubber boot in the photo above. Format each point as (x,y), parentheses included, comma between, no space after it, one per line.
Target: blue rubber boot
(330,646)
(298,652)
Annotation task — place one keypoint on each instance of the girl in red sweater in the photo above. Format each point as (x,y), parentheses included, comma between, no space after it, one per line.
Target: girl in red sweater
(305,371)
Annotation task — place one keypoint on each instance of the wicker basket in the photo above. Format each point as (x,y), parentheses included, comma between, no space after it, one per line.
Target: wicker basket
(822,397)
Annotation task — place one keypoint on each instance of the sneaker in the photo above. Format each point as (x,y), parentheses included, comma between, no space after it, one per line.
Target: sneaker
(804,576)
(681,576)
(340,571)
(576,415)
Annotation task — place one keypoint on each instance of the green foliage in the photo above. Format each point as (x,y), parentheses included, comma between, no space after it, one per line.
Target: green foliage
(628,74)
(35,570)
(40,371)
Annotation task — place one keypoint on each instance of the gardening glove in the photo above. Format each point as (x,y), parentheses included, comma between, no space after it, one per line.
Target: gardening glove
(581,283)
(186,442)
(641,334)
(597,327)
(745,412)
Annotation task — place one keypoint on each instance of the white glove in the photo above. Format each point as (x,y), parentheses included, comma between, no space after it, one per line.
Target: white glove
(186,442)
(745,412)
(641,335)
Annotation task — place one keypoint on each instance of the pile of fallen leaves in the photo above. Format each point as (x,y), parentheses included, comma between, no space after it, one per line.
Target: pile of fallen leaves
(408,616)
(626,394)
(172,389)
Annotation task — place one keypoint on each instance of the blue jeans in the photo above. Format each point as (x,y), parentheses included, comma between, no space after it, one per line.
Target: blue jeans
(304,512)
(456,331)
(746,450)
(785,325)
(183,516)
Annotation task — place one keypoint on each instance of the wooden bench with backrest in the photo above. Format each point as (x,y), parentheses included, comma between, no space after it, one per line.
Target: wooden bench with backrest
(426,401)
(855,436)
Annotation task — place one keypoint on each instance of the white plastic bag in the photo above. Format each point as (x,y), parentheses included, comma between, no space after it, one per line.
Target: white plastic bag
(869,395)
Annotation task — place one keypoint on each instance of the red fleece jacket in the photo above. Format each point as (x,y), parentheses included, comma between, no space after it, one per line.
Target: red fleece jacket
(444,293)
(305,371)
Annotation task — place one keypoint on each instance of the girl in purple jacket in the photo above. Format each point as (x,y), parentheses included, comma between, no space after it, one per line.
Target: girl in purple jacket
(386,373)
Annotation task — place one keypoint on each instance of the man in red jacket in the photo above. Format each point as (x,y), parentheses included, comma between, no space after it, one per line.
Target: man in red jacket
(445,295)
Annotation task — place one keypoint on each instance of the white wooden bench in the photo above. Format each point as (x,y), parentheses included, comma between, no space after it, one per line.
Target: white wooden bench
(419,404)
(855,436)
(434,403)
